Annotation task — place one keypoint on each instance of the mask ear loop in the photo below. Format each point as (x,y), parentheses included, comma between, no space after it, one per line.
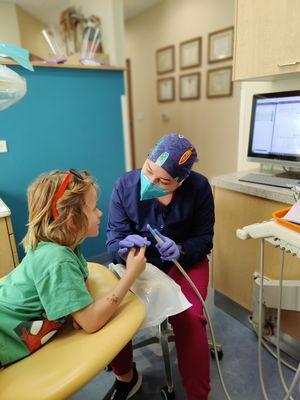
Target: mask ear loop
(181,182)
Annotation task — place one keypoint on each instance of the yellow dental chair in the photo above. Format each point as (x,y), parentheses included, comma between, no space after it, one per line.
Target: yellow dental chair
(72,358)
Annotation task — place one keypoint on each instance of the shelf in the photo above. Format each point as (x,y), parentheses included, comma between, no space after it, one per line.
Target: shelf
(66,65)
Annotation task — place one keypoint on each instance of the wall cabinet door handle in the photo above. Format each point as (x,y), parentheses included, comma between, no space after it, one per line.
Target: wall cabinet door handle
(288,64)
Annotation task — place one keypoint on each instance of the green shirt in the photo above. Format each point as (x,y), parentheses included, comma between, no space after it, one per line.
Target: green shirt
(35,298)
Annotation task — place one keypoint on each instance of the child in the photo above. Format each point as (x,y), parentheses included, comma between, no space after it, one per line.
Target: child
(51,281)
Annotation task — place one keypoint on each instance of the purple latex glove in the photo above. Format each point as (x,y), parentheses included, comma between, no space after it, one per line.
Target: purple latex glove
(168,249)
(131,241)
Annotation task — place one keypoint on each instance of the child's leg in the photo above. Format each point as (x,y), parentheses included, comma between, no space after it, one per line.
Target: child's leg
(190,334)
(122,363)
(128,379)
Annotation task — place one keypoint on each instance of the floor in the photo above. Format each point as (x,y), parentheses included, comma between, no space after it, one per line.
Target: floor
(239,367)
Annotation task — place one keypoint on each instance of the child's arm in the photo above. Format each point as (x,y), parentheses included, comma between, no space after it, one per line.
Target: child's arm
(88,286)
(95,316)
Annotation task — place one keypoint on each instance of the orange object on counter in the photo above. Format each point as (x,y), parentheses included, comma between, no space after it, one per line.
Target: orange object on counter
(277,215)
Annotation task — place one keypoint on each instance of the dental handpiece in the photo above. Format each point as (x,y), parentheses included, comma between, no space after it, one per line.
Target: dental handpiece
(154,234)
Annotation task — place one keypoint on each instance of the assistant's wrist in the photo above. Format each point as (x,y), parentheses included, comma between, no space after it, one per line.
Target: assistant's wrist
(181,249)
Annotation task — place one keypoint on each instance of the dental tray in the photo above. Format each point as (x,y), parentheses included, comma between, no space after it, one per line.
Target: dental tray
(277,215)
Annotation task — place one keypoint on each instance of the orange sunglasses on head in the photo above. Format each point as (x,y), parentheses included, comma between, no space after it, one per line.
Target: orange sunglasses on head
(62,188)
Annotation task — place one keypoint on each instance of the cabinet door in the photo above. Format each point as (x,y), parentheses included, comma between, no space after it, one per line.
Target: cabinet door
(14,249)
(235,260)
(12,240)
(267,38)
(6,256)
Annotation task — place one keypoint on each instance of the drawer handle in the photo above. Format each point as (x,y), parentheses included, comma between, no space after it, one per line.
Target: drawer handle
(288,64)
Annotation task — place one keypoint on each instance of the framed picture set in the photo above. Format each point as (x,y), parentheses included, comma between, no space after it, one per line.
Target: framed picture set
(166,89)
(190,53)
(165,60)
(219,82)
(189,86)
(220,45)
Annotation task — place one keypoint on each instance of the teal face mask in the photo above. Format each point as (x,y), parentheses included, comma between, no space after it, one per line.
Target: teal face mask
(150,190)
(17,54)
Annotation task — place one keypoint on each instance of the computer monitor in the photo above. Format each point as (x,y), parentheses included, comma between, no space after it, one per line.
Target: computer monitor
(275,129)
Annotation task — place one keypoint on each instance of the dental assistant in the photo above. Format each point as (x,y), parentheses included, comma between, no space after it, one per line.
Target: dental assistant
(177,202)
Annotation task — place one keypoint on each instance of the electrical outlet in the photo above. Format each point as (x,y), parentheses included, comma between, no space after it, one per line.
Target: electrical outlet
(3,146)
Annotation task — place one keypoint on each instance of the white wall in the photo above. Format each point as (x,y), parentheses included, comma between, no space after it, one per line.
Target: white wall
(9,29)
(247,91)
(211,124)
(31,33)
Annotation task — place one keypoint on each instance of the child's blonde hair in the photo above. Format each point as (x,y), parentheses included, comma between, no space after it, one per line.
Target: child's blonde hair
(71,224)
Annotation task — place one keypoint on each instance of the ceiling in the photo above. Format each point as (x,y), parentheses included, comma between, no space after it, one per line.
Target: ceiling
(132,8)
(47,11)
(53,8)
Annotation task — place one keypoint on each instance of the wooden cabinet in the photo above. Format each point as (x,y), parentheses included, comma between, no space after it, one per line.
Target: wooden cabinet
(8,250)
(267,38)
(235,260)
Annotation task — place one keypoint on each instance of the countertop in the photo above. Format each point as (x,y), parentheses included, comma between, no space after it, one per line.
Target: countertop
(231,182)
(4,210)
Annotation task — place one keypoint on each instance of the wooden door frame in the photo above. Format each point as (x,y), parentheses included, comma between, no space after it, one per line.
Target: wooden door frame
(130,112)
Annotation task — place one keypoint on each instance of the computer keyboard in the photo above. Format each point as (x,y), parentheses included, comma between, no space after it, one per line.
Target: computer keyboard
(270,180)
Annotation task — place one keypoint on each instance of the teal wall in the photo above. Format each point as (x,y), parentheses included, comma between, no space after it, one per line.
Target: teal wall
(68,118)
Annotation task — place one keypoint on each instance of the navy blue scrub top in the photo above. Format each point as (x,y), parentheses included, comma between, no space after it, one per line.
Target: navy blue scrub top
(188,219)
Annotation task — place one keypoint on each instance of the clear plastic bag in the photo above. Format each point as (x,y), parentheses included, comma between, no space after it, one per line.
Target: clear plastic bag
(12,87)
(161,295)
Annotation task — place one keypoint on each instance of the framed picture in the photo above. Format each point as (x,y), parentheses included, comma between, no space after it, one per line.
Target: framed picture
(189,86)
(166,89)
(165,60)
(220,45)
(190,53)
(219,82)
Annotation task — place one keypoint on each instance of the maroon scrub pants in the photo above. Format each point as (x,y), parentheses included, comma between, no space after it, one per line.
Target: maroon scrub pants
(190,336)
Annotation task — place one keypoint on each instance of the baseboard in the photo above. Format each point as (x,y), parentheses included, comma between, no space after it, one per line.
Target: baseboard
(287,344)
(232,308)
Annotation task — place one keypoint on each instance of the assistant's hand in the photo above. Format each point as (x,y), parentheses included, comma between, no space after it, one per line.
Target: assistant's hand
(129,242)
(168,249)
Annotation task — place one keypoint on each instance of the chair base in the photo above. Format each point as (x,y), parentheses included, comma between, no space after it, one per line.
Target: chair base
(166,394)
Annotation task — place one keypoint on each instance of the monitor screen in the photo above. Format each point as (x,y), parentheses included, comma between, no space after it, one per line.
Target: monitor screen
(275,128)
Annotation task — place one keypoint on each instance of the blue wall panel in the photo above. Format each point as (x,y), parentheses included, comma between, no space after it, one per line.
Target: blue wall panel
(68,118)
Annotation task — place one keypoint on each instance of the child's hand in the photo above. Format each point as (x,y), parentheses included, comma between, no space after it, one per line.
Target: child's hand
(136,261)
